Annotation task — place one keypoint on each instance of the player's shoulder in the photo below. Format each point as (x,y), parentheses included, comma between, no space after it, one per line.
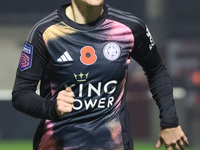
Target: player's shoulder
(43,24)
(125,17)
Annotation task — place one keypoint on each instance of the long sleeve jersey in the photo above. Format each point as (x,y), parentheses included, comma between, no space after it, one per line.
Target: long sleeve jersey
(93,59)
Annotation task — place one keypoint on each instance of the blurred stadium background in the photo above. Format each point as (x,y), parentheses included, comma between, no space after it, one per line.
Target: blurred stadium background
(174,25)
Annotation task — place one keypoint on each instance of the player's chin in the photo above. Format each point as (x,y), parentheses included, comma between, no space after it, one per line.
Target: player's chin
(95,2)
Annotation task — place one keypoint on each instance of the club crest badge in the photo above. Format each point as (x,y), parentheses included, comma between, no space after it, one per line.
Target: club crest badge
(26,57)
(112,51)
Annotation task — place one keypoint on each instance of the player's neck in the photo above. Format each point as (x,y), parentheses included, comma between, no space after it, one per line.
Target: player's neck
(84,14)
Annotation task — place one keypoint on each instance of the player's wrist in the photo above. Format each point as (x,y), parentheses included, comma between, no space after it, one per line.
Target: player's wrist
(53,112)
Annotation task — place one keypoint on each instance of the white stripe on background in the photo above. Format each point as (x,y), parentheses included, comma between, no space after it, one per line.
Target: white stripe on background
(6,95)
(179,93)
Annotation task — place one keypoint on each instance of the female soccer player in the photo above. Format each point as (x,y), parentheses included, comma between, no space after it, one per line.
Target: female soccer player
(80,53)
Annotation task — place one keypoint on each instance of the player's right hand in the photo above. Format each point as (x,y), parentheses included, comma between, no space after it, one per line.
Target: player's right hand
(65,100)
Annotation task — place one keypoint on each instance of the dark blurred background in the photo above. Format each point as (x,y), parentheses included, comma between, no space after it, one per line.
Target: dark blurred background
(174,25)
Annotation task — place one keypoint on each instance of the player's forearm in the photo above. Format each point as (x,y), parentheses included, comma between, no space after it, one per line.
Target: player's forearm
(27,101)
(33,105)
(162,91)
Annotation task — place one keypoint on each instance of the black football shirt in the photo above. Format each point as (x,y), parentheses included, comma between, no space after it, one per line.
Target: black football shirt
(93,60)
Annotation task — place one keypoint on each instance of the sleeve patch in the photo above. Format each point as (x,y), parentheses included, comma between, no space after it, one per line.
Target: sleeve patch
(26,57)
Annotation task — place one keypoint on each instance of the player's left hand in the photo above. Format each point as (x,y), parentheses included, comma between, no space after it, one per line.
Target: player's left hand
(172,138)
